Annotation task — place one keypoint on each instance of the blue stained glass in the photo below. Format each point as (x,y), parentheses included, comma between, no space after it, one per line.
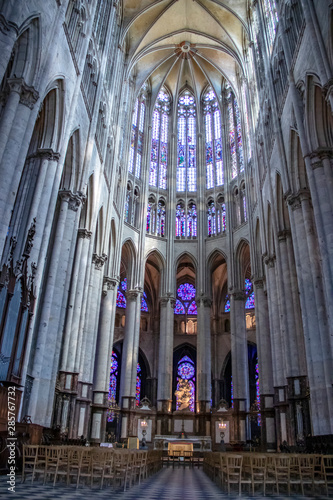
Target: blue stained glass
(138,385)
(186,370)
(112,385)
(144,306)
(258,393)
(121,301)
(186,162)
(159,147)
(148,217)
(179,308)
(180,220)
(250,304)
(186,291)
(192,221)
(248,285)
(192,310)
(227,304)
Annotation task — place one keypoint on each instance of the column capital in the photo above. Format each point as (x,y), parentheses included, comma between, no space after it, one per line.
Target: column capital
(319,155)
(295,199)
(28,95)
(133,294)
(109,284)
(46,154)
(259,282)
(284,234)
(84,233)
(74,200)
(99,260)
(203,300)
(238,295)
(167,299)
(269,260)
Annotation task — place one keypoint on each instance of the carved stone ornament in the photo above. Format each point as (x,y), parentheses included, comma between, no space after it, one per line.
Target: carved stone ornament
(109,284)
(295,199)
(99,260)
(29,241)
(145,404)
(222,405)
(238,295)
(84,233)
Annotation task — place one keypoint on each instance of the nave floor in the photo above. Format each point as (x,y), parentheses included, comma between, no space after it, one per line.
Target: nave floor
(167,484)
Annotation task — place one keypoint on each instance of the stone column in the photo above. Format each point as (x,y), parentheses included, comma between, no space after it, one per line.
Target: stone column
(265,367)
(165,363)
(46,345)
(75,301)
(103,358)
(129,360)
(317,346)
(240,365)
(13,125)
(204,368)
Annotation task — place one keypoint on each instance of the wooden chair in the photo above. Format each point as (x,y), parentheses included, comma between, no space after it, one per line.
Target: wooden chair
(80,464)
(282,471)
(258,472)
(62,467)
(40,463)
(307,465)
(233,471)
(327,462)
(29,460)
(108,468)
(52,454)
(121,467)
(295,471)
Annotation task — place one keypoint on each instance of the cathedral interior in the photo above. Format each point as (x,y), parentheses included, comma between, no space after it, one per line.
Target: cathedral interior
(166,229)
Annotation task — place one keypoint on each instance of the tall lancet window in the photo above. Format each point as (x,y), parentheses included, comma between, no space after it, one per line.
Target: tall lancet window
(214,160)
(235,134)
(159,143)
(136,149)
(186,163)
(272,20)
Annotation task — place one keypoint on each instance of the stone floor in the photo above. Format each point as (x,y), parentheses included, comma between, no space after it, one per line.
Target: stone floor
(167,484)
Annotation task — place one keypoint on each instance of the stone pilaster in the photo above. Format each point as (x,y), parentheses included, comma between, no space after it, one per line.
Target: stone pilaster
(240,369)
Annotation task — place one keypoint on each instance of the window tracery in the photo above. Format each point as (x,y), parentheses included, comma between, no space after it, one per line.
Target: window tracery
(186,163)
(214,156)
(159,146)
(137,135)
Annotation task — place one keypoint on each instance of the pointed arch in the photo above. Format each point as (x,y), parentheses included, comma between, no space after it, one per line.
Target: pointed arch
(319,118)
(71,171)
(242,262)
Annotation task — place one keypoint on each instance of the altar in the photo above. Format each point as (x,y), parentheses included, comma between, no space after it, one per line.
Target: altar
(175,443)
(180,448)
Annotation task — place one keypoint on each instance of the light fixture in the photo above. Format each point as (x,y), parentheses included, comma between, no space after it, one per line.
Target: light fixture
(222,425)
(144,423)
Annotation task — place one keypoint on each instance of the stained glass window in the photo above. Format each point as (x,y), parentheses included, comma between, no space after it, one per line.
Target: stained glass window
(121,296)
(192,220)
(227,304)
(112,385)
(144,305)
(235,134)
(186,371)
(186,163)
(138,385)
(272,20)
(249,304)
(137,136)
(159,145)
(211,219)
(184,302)
(232,393)
(247,125)
(149,210)
(258,392)
(180,220)
(160,219)
(214,159)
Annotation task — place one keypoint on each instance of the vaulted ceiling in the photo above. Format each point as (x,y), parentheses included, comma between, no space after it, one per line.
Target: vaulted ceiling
(184,42)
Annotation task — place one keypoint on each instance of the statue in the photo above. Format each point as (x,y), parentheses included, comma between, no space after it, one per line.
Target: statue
(183,394)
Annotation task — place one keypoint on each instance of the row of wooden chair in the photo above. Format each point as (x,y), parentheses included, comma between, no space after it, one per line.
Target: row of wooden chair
(276,470)
(117,467)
